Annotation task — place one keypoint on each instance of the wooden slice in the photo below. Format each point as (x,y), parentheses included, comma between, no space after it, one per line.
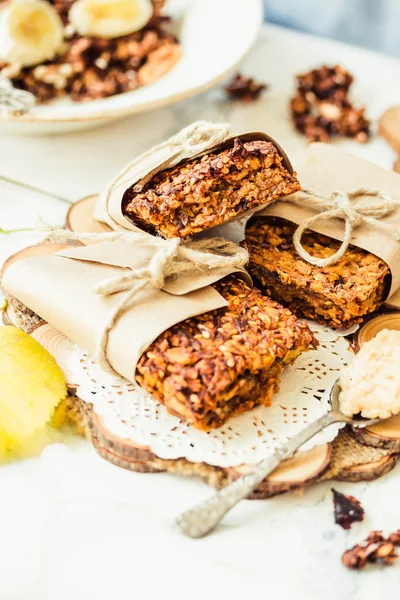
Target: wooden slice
(57,344)
(382,435)
(299,471)
(372,327)
(369,471)
(9,316)
(80,217)
(389,127)
(31,252)
(121,452)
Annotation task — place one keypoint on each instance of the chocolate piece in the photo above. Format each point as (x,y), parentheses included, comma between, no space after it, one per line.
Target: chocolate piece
(376,548)
(208,191)
(339,295)
(321,107)
(244,88)
(347,509)
(224,362)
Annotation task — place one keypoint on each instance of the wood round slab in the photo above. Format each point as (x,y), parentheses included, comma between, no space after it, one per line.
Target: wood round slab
(372,327)
(382,435)
(121,452)
(302,469)
(57,344)
(389,127)
(33,252)
(80,217)
(369,471)
(9,316)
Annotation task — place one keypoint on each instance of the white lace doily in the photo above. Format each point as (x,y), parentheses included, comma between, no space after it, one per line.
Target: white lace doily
(131,413)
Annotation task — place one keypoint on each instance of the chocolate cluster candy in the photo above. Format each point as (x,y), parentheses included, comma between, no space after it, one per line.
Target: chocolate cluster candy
(321,107)
(244,88)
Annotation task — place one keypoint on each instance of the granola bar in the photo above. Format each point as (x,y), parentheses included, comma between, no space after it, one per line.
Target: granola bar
(224,362)
(208,191)
(338,295)
(321,107)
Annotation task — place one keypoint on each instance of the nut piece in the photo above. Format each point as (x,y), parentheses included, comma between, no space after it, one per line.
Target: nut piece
(321,107)
(376,548)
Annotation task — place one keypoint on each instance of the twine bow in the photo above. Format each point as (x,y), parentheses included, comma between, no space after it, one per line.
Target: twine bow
(339,206)
(171,258)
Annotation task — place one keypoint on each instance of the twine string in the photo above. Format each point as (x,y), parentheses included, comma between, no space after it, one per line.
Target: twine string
(170,259)
(340,206)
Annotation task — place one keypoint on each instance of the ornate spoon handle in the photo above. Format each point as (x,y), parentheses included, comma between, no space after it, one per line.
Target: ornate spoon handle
(203,518)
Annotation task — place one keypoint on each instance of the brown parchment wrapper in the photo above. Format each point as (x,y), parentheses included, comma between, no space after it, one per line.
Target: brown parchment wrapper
(328,169)
(165,156)
(59,288)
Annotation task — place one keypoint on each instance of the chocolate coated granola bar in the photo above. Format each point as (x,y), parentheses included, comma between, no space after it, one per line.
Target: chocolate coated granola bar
(339,295)
(208,191)
(224,362)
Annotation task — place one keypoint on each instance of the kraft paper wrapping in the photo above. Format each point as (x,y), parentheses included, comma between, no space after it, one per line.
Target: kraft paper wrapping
(194,141)
(59,288)
(328,169)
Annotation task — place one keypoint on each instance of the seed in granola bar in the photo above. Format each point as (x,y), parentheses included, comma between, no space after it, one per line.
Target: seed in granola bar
(347,509)
(244,88)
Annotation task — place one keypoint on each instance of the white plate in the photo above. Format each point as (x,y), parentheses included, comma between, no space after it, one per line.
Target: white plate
(215,35)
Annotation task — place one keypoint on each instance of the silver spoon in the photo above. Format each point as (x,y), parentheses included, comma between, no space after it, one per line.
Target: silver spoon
(203,518)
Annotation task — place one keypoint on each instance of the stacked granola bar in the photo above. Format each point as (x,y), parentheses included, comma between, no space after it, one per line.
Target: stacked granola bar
(339,295)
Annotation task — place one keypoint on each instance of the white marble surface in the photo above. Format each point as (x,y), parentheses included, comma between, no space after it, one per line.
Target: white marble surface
(74,526)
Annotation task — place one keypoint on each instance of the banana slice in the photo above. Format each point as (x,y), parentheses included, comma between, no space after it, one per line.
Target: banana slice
(110,18)
(31,32)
